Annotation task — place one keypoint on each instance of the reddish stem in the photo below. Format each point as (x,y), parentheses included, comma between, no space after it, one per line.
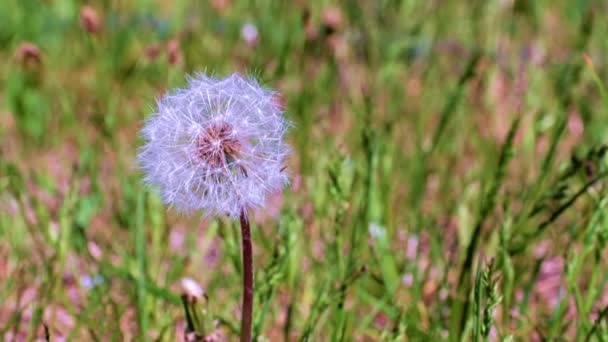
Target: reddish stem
(247,311)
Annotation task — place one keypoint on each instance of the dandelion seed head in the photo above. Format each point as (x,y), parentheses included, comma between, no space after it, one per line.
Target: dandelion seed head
(216,146)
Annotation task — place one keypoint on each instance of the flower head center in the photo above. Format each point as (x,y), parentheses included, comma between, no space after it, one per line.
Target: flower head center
(218,146)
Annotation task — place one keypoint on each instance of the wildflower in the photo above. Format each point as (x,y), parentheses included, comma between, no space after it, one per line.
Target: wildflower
(377,231)
(249,33)
(88,282)
(221,5)
(216,146)
(89,20)
(408,279)
(192,288)
(28,54)
(174,52)
(333,18)
(152,52)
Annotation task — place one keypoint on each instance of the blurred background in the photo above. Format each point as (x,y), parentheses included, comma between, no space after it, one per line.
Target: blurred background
(447,174)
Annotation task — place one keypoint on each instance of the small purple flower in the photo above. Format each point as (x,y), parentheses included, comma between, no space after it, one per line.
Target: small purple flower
(216,145)
(249,33)
(88,282)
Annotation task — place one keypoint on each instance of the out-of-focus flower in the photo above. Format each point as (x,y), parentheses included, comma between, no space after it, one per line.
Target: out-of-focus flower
(177,237)
(216,145)
(333,18)
(89,282)
(549,282)
(63,321)
(249,33)
(213,254)
(408,279)
(576,126)
(192,288)
(412,248)
(174,52)
(220,5)
(381,320)
(376,231)
(95,250)
(89,19)
(28,54)
(152,52)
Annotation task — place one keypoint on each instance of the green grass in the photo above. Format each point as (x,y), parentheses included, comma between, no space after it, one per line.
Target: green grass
(448,172)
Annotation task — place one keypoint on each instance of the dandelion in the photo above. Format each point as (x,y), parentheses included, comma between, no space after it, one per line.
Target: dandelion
(217,146)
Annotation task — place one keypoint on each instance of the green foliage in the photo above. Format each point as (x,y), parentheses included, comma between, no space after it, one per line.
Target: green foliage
(448,172)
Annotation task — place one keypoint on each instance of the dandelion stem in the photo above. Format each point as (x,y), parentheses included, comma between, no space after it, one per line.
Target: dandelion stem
(247,310)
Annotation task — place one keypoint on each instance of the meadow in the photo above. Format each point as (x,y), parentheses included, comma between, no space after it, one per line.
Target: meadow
(447,174)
